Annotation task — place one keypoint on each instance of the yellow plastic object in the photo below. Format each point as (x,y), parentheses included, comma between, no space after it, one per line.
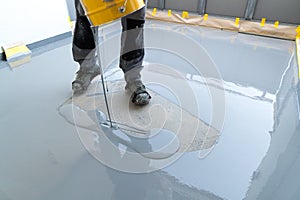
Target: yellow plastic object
(102,12)
(154,11)
(16,54)
(298,32)
(185,14)
(70,21)
(205,17)
(263,21)
(237,21)
(21,49)
(169,13)
(298,53)
(298,47)
(276,24)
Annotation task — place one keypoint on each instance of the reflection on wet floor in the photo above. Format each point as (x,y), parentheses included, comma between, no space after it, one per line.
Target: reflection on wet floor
(241,85)
(167,123)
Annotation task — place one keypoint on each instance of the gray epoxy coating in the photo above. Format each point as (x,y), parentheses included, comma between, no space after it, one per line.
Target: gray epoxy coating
(255,157)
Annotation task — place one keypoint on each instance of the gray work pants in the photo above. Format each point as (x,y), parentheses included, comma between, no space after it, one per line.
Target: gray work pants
(132,43)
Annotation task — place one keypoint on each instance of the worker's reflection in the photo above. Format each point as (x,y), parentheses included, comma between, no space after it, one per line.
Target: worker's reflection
(114,160)
(133,185)
(139,186)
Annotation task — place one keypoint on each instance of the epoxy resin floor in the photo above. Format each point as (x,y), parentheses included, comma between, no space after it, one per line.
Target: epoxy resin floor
(242,87)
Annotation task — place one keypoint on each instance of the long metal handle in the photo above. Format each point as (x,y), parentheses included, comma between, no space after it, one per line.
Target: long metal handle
(100,57)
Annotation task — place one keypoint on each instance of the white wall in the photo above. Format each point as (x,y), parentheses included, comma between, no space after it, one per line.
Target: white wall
(32,20)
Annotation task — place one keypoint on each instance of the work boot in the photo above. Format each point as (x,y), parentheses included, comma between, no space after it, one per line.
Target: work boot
(87,72)
(134,84)
(83,80)
(139,96)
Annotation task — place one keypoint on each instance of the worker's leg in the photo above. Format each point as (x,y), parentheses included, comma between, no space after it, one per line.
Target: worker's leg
(132,55)
(84,51)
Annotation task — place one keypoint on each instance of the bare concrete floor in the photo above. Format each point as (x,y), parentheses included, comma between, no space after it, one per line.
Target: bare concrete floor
(243,86)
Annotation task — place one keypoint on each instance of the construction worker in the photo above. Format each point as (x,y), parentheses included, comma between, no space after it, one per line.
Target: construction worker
(131,57)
